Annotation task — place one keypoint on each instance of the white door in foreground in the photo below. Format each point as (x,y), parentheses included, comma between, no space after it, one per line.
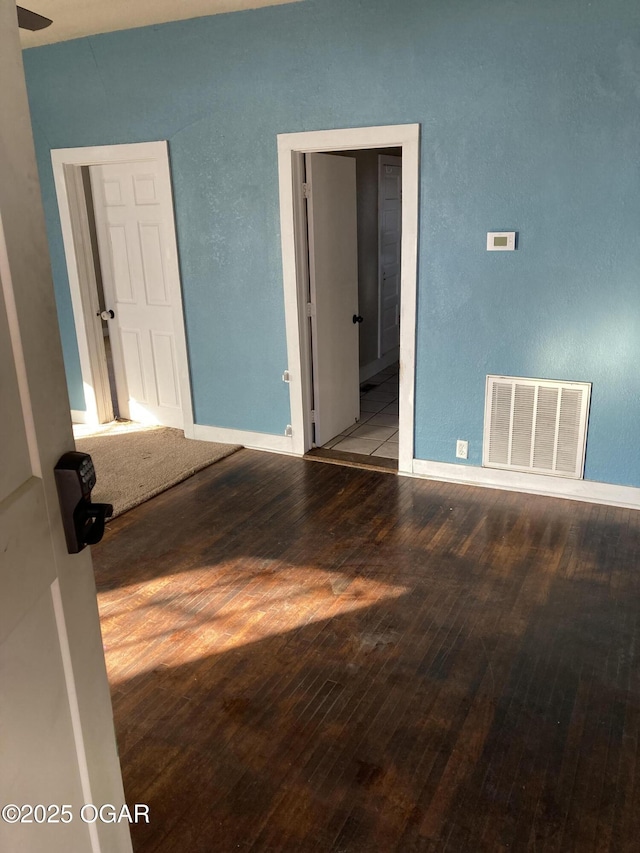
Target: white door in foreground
(333,273)
(56,736)
(134,212)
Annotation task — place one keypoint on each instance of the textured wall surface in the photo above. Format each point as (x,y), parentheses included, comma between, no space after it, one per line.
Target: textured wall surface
(530,120)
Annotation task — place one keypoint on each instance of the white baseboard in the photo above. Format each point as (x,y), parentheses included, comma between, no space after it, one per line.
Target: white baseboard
(78,417)
(533,484)
(369,370)
(252,440)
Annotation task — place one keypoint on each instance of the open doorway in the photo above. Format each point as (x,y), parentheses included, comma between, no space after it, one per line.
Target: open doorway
(353,207)
(116,213)
(350,289)
(112,413)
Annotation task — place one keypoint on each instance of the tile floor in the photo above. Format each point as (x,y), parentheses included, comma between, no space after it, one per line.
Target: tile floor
(376,433)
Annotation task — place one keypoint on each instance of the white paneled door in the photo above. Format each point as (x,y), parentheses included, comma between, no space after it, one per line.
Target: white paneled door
(38,710)
(134,221)
(333,273)
(390,238)
(56,727)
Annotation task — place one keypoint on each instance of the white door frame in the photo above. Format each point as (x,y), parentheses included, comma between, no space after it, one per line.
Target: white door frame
(67,164)
(291,148)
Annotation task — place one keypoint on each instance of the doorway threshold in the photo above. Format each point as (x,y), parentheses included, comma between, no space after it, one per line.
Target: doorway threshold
(353,460)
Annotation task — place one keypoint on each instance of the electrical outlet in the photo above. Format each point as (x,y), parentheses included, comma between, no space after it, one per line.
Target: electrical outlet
(462,449)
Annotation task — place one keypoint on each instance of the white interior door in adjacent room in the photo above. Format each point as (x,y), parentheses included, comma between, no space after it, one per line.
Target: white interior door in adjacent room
(389,251)
(145,248)
(133,215)
(58,744)
(333,274)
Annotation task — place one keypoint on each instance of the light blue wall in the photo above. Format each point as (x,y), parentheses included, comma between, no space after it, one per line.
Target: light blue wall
(530,115)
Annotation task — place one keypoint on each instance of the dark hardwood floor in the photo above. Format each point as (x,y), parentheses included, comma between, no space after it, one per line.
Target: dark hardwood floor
(305,657)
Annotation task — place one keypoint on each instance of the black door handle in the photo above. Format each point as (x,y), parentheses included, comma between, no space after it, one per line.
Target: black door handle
(357,318)
(106,315)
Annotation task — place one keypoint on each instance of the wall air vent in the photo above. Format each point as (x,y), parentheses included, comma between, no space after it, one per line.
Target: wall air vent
(536,425)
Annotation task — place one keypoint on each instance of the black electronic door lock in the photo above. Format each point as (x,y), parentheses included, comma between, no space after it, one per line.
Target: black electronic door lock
(83,520)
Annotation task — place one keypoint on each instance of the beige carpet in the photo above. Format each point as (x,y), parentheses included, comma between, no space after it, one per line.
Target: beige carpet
(133,463)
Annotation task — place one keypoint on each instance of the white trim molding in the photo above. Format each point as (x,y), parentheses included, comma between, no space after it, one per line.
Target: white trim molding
(251,440)
(589,491)
(80,417)
(67,163)
(290,148)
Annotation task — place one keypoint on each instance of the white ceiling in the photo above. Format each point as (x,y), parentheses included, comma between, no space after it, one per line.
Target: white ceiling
(76,18)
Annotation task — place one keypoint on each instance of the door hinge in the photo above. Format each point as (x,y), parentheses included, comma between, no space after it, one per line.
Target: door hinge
(311,309)
(286,376)
(288,431)
(306,190)
(313,416)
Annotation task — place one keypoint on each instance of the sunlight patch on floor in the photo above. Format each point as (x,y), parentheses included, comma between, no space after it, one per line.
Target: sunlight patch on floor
(112,428)
(176,619)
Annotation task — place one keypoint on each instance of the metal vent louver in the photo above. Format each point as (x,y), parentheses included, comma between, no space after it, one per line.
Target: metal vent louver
(536,425)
